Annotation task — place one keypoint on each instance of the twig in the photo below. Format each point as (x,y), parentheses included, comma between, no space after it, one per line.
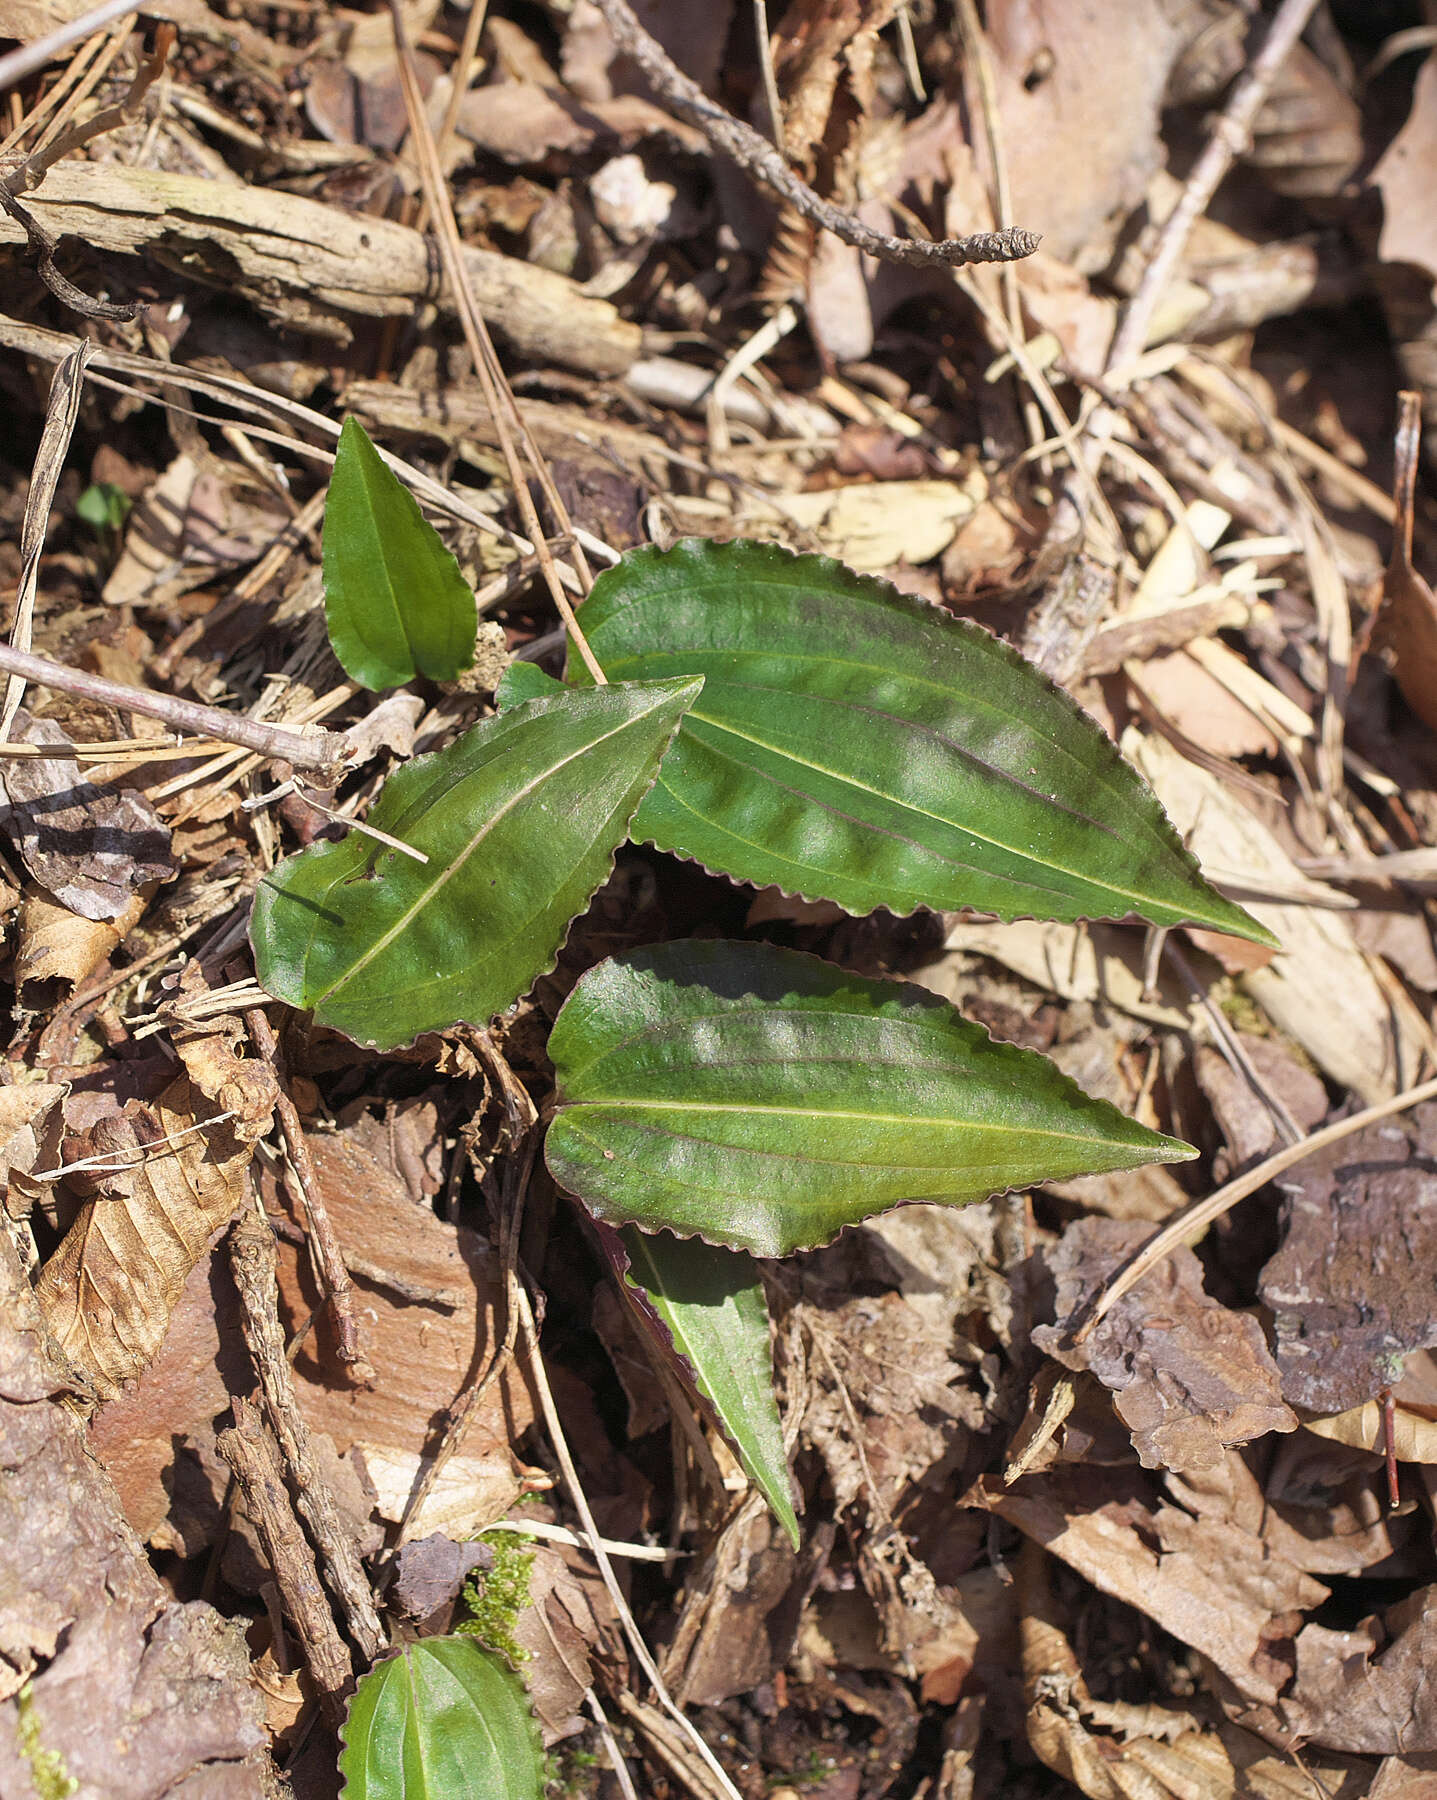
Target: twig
(763,163)
(252,1261)
(249,1450)
(29,57)
(1231,135)
(321,750)
(333,1275)
(1190,1223)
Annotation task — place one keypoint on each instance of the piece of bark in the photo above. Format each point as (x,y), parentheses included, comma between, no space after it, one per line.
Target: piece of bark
(308,265)
(1351,1286)
(1189,1377)
(135,1696)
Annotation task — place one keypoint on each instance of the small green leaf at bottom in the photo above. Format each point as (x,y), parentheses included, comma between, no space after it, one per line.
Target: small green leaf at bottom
(764,1099)
(710,1306)
(444,1719)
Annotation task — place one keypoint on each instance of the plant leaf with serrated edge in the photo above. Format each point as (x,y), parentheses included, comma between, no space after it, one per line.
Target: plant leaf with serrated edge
(704,1311)
(520,819)
(395,602)
(856,745)
(763,1099)
(443,1719)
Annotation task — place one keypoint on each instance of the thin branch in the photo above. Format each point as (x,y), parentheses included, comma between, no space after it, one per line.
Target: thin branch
(1231,135)
(763,163)
(321,750)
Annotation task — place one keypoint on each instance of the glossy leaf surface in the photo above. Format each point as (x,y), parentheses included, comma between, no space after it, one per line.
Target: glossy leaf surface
(708,1310)
(856,745)
(444,1719)
(520,819)
(763,1099)
(395,603)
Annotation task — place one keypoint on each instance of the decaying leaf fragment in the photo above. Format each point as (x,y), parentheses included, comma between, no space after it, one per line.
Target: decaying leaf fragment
(1188,1376)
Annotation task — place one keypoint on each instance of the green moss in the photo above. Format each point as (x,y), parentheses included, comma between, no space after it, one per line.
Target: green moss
(493,1598)
(47,1767)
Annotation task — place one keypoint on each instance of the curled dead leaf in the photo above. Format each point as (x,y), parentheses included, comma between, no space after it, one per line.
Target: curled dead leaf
(108,1290)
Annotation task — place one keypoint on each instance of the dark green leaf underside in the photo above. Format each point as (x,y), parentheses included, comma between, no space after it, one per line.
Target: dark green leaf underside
(764,1099)
(443,1719)
(520,819)
(711,1303)
(395,602)
(856,745)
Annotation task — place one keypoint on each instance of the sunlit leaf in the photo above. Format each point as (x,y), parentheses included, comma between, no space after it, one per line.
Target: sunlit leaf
(520,819)
(443,1719)
(856,745)
(704,1309)
(395,602)
(764,1099)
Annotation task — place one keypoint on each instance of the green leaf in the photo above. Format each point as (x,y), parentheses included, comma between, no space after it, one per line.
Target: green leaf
(706,1311)
(395,603)
(764,1099)
(524,681)
(443,1719)
(857,745)
(520,819)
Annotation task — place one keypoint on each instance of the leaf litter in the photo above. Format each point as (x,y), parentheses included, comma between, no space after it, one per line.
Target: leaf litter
(1214,1574)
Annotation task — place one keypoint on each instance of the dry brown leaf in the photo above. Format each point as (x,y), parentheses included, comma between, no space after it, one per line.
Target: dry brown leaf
(1208,1581)
(1408,619)
(55,944)
(429,1294)
(108,1290)
(1404,176)
(244,1086)
(1189,1377)
(1351,1285)
(92,848)
(23,1109)
(1243,1115)
(193,521)
(1412,1435)
(1192,700)
(1318,988)
(880,523)
(1102,964)
(1372,1689)
(1080,90)
(734,1630)
(1406,1778)
(569,1618)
